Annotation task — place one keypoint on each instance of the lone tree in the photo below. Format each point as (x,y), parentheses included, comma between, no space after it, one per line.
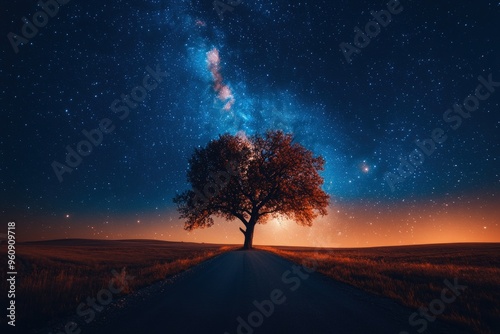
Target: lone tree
(252,179)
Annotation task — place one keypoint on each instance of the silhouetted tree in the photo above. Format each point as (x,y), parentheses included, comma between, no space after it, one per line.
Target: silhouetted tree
(252,179)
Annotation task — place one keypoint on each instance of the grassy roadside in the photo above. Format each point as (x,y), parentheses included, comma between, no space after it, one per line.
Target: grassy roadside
(55,277)
(414,275)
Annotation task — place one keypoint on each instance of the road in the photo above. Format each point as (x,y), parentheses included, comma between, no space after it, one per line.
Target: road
(220,296)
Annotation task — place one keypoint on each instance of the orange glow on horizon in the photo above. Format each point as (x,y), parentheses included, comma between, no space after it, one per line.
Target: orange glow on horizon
(346,225)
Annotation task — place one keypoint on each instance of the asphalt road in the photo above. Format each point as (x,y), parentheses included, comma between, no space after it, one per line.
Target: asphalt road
(255,292)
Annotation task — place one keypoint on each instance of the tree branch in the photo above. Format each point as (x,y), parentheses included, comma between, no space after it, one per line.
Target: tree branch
(267,198)
(268,212)
(240,217)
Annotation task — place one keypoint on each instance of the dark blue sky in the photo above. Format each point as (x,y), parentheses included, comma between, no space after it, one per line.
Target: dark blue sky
(284,69)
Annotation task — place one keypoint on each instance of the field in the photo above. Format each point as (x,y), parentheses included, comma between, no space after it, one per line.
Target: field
(54,277)
(414,276)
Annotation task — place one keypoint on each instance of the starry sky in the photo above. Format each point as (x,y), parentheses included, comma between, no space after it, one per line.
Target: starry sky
(246,68)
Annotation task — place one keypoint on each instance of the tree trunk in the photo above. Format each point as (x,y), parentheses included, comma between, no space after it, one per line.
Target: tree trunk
(248,236)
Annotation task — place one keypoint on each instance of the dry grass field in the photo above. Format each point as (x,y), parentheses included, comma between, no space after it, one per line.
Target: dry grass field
(414,275)
(54,277)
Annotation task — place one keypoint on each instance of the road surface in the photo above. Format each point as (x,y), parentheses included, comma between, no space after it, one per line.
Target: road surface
(255,292)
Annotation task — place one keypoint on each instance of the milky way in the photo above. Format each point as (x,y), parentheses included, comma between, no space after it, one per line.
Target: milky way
(266,65)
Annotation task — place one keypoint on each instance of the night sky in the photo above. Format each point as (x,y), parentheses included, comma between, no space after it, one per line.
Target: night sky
(261,65)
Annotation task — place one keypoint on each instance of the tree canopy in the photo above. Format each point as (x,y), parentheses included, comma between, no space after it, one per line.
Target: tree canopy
(253,179)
